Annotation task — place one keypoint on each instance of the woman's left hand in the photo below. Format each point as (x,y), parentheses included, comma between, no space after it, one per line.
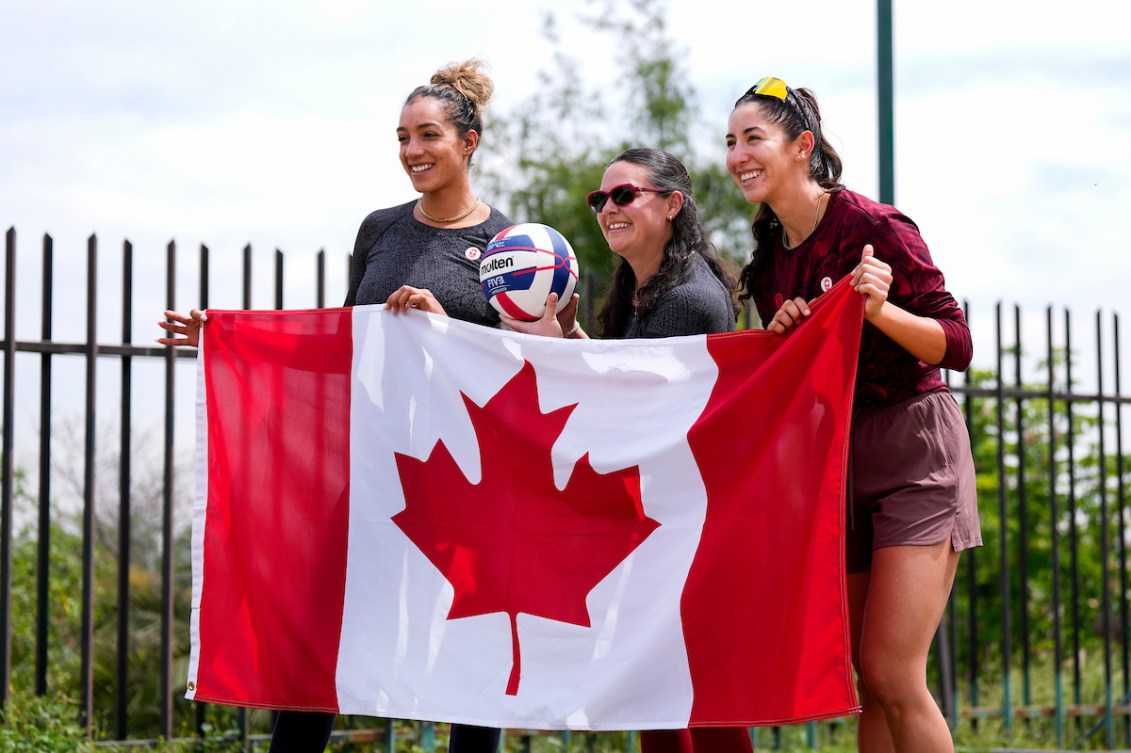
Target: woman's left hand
(405,298)
(546,326)
(872,278)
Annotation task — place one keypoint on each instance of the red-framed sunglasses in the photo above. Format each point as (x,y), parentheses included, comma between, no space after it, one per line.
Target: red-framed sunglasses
(622,195)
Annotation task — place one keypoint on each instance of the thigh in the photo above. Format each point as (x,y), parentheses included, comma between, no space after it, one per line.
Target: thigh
(466,738)
(666,741)
(721,740)
(905,598)
(301,732)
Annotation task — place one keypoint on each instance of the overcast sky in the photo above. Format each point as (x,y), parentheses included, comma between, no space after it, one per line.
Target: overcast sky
(272,123)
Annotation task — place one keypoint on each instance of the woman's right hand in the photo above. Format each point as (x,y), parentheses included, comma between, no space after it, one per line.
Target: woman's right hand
(553,323)
(789,316)
(188,326)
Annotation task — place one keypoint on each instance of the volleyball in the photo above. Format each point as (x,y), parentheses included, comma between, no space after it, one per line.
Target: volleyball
(522,265)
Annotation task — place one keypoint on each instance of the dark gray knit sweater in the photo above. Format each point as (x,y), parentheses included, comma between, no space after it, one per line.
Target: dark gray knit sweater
(699,305)
(393,248)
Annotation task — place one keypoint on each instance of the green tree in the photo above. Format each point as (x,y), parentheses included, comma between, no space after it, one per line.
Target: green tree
(556,144)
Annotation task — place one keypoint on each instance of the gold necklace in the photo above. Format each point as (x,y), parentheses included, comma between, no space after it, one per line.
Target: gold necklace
(445,220)
(785,235)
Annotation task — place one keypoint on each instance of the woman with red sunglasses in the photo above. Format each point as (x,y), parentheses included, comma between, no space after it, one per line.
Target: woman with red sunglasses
(670,282)
(911,495)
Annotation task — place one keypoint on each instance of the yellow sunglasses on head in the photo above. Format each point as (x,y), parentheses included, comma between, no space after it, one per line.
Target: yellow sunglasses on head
(769,87)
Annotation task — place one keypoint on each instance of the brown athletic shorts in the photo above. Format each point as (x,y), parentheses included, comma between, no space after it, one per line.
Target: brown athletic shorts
(911,479)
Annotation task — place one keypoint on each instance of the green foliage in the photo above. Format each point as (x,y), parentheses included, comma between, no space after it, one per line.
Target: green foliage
(556,144)
(46,724)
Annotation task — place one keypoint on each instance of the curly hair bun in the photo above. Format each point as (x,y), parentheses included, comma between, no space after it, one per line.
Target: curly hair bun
(468,80)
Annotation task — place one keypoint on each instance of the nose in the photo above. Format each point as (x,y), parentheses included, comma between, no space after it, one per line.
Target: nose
(412,147)
(609,207)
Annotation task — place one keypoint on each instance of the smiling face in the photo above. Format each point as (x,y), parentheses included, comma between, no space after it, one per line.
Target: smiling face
(637,231)
(432,151)
(760,157)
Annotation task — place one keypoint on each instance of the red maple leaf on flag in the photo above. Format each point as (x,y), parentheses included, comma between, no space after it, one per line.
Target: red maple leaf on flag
(514,542)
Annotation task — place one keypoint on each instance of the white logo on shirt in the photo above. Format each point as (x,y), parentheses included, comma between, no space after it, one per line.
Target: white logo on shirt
(826,283)
(472,253)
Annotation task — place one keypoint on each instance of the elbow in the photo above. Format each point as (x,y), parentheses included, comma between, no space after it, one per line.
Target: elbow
(959,348)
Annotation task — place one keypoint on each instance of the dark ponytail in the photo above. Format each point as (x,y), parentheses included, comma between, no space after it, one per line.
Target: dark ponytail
(797,113)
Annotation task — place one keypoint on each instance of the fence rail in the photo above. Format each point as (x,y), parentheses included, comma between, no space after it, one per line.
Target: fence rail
(1048,591)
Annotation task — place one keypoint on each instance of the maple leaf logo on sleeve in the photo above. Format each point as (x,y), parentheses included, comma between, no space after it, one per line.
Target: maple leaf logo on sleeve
(514,542)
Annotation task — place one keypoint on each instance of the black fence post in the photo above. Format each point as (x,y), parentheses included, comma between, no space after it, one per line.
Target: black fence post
(1105,544)
(1054,534)
(1125,639)
(199,707)
(320,279)
(86,710)
(1003,519)
(124,479)
(8,481)
(1073,527)
(43,541)
(1022,516)
(168,500)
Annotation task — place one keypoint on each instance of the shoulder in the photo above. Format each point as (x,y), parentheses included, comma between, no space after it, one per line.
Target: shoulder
(379,219)
(699,304)
(859,211)
(861,220)
(497,222)
(377,222)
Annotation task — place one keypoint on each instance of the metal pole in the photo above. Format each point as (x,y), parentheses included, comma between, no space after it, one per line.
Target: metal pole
(1003,555)
(124,473)
(8,482)
(1054,534)
(86,709)
(1022,518)
(166,701)
(1105,547)
(43,545)
(885,95)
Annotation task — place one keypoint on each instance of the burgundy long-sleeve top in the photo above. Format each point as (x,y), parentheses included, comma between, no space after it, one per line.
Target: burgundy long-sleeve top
(888,374)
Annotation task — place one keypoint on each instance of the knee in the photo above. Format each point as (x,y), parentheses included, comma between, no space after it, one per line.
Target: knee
(880,680)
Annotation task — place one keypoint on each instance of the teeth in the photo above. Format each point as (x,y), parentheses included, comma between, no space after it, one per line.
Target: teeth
(421,168)
(750,175)
(617,225)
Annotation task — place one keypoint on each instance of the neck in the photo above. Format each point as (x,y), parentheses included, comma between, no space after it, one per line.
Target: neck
(643,270)
(797,212)
(448,201)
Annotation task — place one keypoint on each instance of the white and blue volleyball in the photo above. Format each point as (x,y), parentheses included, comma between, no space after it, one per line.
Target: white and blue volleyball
(522,265)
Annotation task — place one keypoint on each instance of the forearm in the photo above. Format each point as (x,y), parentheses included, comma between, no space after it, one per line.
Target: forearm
(920,336)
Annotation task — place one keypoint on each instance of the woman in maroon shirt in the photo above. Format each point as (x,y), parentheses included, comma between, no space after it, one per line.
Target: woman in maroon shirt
(912,500)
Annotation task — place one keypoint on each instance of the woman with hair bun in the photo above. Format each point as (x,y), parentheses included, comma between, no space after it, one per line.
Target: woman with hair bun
(912,502)
(423,254)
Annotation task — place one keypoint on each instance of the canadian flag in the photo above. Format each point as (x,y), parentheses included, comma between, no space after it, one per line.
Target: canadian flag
(415,517)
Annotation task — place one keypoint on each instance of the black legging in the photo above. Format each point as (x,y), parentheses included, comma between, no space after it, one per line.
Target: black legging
(309,731)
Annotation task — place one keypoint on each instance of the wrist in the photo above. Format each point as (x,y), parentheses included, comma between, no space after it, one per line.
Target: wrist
(572,331)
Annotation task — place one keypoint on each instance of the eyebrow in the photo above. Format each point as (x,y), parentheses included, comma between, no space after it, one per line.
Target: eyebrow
(429,124)
(745,131)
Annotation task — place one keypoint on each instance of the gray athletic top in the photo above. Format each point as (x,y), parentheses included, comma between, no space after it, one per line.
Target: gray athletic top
(698,305)
(393,248)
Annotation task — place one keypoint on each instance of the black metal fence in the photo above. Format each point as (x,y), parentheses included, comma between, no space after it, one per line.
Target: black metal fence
(1016,653)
